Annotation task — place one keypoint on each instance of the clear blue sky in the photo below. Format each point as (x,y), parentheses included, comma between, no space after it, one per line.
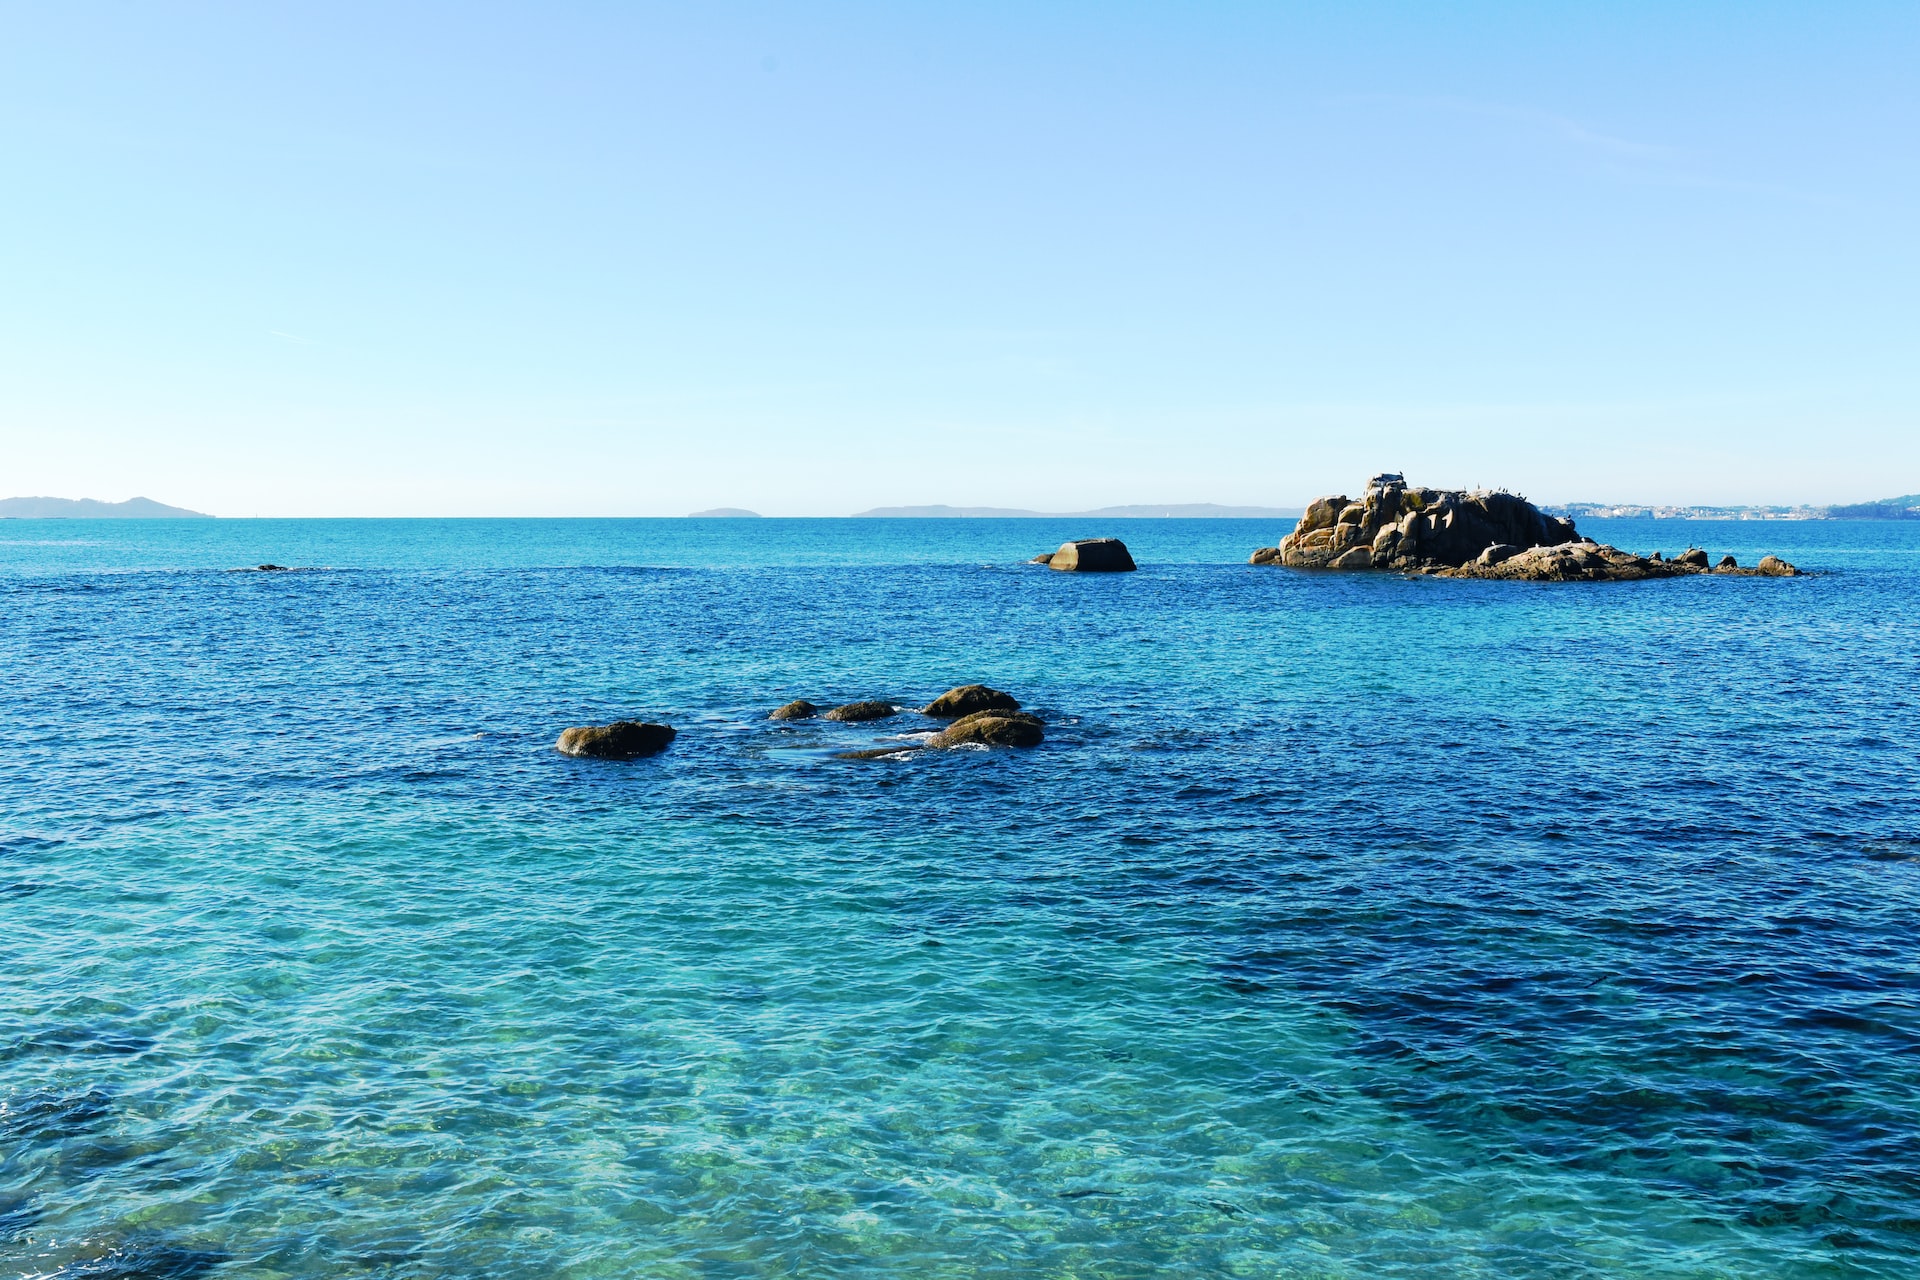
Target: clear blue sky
(626,259)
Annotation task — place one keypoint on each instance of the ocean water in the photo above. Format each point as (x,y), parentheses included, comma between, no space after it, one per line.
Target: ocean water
(1344,925)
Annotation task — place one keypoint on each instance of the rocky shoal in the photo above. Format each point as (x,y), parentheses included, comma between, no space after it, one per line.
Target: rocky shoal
(975,714)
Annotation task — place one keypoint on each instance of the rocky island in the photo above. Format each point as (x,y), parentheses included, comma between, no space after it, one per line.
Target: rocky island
(1458,533)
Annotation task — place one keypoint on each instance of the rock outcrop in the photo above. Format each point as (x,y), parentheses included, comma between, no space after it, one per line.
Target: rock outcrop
(1460,534)
(967,699)
(854,712)
(1597,562)
(1093,555)
(798,709)
(993,729)
(621,740)
(1394,526)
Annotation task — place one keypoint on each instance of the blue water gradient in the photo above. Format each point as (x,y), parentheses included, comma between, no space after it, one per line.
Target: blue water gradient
(1344,925)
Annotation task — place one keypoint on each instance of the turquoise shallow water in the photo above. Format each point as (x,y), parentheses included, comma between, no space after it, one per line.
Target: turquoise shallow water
(1344,926)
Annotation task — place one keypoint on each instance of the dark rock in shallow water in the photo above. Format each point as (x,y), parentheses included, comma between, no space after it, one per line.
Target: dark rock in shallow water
(854,712)
(43,1114)
(1045,557)
(1727,562)
(967,699)
(880,753)
(144,1259)
(1093,555)
(18,1215)
(1693,556)
(798,709)
(993,729)
(621,740)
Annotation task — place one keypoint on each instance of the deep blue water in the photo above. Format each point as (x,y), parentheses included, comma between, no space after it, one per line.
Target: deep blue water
(1344,926)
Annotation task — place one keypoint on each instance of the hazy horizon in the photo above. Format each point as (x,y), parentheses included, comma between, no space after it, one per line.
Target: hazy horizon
(1110,511)
(649,260)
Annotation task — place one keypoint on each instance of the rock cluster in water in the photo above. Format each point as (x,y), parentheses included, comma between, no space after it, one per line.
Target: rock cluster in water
(1480,534)
(978,715)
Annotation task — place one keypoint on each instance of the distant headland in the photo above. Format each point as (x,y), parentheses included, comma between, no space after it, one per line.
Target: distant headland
(92,509)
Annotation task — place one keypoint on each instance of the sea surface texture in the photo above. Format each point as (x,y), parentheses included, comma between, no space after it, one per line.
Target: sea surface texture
(1343,926)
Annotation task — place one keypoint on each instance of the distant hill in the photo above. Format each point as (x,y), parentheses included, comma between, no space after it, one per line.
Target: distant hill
(1138,511)
(724,513)
(1905,507)
(1902,508)
(91,509)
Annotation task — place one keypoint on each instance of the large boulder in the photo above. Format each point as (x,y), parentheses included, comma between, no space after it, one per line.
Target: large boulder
(621,740)
(967,699)
(798,709)
(854,712)
(1775,567)
(1093,555)
(993,729)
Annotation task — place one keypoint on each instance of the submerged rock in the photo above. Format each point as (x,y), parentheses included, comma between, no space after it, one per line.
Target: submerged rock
(798,709)
(993,729)
(880,753)
(1045,557)
(621,740)
(1093,555)
(967,699)
(855,712)
(1464,534)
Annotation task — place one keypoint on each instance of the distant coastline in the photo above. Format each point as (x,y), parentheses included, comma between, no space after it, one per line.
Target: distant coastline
(1906,507)
(92,509)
